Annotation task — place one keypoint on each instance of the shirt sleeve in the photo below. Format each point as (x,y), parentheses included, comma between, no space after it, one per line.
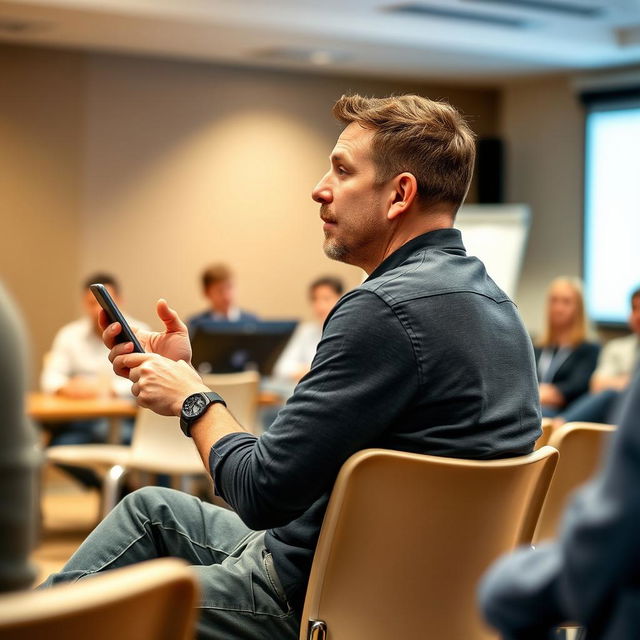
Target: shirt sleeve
(56,371)
(289,362)
(364,375)
(576,382)
(610,364)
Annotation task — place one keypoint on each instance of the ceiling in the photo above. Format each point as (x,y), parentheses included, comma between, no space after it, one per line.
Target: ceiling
(456,40)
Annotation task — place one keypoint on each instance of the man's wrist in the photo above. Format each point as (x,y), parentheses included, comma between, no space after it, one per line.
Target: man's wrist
(177,407)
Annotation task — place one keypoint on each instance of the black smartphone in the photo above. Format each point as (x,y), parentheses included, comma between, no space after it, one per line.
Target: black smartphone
(115,315)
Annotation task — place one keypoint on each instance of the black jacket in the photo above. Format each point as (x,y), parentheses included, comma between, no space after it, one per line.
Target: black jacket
(428,355)
(573,375)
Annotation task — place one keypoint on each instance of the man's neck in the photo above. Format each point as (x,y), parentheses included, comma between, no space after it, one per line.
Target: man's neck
(410,228)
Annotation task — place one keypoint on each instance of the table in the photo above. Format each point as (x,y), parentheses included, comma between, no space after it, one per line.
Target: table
(45,407)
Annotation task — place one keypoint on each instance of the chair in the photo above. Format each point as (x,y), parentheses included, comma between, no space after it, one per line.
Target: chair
(153,600)
(158,447)
(580,445)
(547,430)
(240,392)
(406,538)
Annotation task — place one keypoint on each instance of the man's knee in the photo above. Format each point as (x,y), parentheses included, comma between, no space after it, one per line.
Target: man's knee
(147,500)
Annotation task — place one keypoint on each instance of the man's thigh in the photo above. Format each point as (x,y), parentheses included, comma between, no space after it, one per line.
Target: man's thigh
(242,598)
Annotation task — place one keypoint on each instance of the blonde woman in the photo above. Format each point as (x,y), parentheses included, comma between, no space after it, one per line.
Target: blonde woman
(565,358)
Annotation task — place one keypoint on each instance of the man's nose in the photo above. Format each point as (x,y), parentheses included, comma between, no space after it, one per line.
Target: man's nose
(322,192)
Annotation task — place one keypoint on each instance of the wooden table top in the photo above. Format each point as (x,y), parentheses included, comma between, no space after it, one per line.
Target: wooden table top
(50,408)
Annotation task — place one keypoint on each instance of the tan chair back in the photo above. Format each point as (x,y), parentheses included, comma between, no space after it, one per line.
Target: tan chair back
(580,445)
(240,392)
(406,537)
(159,446)
(153,600)
(547,430)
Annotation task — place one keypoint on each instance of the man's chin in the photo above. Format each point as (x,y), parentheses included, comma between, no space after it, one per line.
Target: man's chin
(335,251)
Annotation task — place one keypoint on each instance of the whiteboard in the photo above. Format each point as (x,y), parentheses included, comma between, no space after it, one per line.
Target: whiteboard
(497,234)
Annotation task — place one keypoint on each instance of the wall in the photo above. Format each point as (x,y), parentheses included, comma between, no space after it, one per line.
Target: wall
(190,163)
(542,124)
(153,169)
(41,129)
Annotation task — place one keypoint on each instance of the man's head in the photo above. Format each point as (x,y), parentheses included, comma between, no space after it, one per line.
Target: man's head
(634,317)
(217,286)
(89,302)
(401,166)
(324,293)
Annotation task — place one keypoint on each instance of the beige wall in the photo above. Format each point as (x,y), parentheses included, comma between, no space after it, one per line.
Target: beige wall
(152,169)
(188,164)
(41,128)
(542,124)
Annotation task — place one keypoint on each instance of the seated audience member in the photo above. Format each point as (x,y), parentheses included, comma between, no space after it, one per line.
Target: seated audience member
(297,356)
(591,574)
(565,359)
(611,377)
(19,457)
(402,364)
(218,287)
(76,368)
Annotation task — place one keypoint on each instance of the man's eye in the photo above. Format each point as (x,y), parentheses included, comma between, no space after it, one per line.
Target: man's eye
(342,171)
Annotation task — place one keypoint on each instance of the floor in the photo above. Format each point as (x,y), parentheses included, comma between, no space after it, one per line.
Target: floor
(69,513)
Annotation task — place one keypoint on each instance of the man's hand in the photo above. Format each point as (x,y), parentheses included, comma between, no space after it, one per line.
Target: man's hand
(550,395)
(172,343)
(160,384)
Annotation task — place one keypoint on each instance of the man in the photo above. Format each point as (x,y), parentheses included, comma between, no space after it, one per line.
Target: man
(427,355)
(297,356)
(76,368)
(591,574)
(218,288)
(611,378)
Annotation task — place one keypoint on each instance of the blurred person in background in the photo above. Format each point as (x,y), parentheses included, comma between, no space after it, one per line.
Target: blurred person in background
(297,356)
(19,458)
(77,367)
(218,287)
(611,378)
(565,358)
(591,574)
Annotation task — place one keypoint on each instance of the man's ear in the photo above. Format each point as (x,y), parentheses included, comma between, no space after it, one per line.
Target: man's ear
(405,191)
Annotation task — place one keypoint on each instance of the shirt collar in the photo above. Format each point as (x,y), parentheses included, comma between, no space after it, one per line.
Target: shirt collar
(449,240)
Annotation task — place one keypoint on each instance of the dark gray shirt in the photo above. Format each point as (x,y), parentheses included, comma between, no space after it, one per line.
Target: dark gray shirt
(428,355)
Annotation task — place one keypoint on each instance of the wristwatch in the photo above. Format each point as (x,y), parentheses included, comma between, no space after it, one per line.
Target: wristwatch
(195,406)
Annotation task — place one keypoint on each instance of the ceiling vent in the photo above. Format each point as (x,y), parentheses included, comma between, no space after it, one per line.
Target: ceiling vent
(568,9)
(318,57)
(459,15)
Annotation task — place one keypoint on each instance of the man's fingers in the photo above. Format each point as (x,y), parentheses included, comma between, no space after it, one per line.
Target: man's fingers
(120,349)
(110,333)
(169,317)
(132,360)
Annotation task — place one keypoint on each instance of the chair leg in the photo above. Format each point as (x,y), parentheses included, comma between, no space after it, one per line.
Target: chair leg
(111,488)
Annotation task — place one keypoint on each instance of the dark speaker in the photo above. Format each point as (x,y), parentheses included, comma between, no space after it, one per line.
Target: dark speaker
(490,165)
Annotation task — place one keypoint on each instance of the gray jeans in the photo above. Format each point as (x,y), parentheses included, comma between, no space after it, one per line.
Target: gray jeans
(240,593)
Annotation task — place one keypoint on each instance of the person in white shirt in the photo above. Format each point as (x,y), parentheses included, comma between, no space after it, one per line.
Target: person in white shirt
(297,356)
(78,367)
(610,380)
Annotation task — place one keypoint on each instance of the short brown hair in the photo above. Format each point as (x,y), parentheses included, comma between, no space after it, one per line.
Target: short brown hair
(427,138)
(214,274)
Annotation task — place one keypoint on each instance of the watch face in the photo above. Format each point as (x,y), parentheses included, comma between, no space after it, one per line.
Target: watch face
(194,404)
